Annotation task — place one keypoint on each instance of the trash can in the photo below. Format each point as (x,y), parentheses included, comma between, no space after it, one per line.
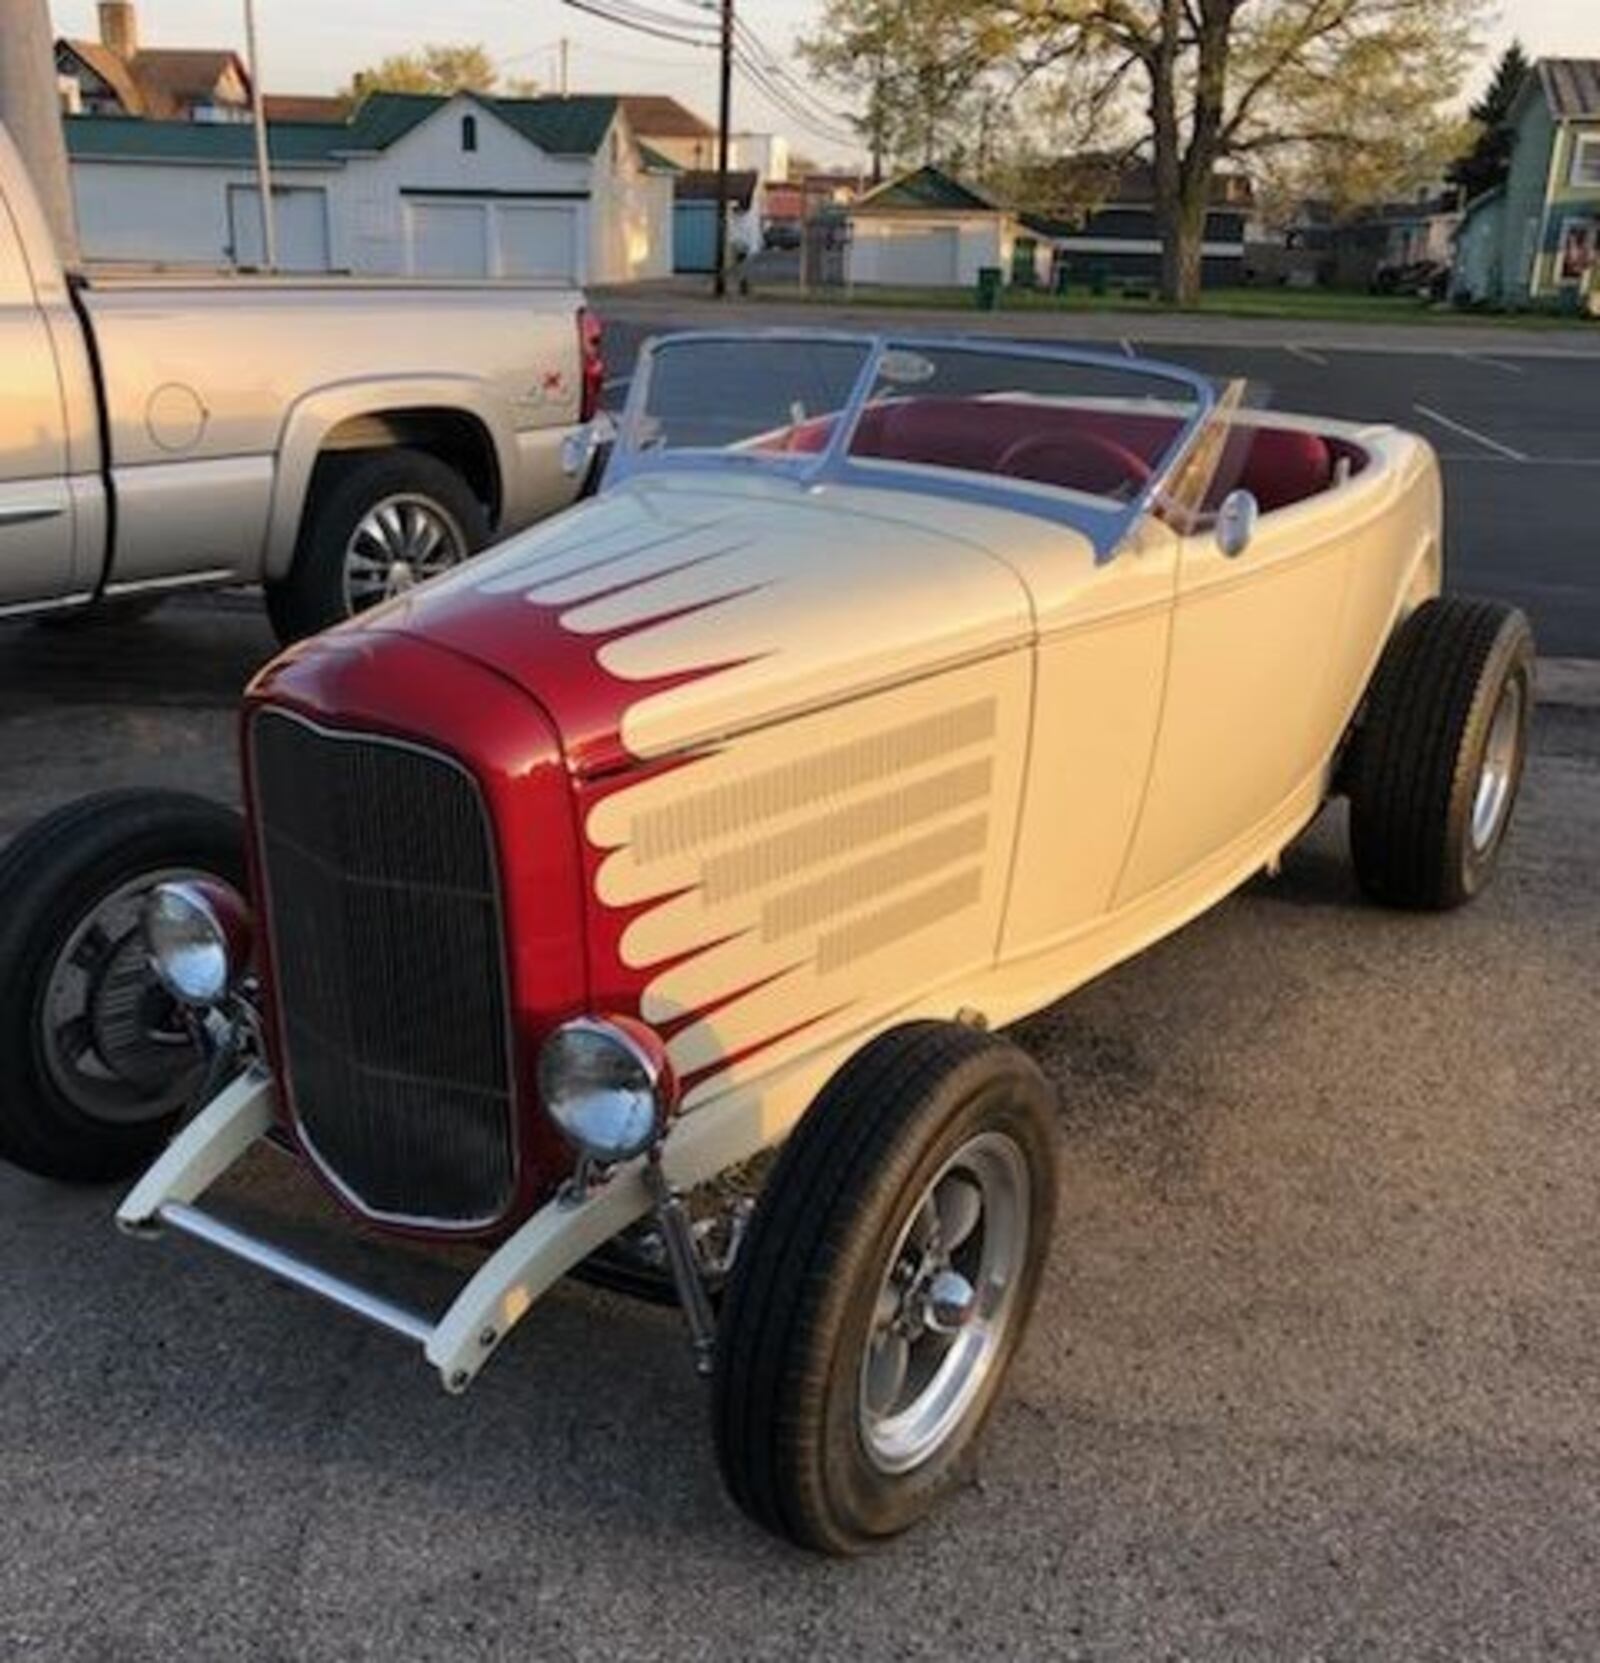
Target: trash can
(1063,277)
(988,288)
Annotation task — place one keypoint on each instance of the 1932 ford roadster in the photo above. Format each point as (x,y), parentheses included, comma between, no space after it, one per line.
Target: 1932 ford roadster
(887,691)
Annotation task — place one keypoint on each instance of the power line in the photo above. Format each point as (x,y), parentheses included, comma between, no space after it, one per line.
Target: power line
(640,28)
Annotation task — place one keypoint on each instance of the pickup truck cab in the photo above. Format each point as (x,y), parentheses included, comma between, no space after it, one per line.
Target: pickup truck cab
(333,440)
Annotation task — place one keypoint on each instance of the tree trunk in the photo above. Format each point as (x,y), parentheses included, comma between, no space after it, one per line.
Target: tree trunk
(1168,163)
(1182,247)
(1183,173)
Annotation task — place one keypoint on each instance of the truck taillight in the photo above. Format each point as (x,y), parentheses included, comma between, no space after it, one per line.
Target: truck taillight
(594,365)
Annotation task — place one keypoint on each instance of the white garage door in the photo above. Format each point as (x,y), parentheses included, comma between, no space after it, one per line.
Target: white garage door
(299,227)
(920,256)
(538,239)
(448,239)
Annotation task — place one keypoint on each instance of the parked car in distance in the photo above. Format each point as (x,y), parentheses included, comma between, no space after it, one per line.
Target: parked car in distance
(333,439)
(887,691)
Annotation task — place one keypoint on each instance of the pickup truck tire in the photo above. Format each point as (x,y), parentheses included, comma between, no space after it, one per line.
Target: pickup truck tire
(884,1285)
(1439,754)
(377,522)
(96,1065)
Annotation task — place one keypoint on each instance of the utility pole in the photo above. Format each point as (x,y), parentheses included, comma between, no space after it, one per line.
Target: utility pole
(724,117)
(258,111)
(30,108)
(565,49)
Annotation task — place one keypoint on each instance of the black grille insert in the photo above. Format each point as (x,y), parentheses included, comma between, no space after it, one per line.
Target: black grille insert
(384,926)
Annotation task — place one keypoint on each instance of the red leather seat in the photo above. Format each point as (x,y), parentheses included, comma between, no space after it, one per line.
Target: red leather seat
(1276,465)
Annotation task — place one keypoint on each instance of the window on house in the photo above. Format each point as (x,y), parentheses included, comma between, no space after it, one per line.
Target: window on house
(469,132)
(1586,160)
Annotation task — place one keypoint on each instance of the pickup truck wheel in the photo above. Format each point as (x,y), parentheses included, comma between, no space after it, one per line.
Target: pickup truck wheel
(884,1285)
(378,523)
(97,1065)
(1439,755)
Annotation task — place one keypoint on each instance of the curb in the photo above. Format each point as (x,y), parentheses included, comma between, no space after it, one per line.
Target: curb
(662,311)
(1572,683)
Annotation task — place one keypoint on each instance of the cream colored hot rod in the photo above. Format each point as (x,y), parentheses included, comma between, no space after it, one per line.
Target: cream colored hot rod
(644,898)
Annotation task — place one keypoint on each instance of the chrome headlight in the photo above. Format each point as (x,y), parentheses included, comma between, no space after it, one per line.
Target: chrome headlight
(607,1084)
(197,937)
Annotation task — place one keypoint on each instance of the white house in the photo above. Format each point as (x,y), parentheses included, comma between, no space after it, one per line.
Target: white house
(928,230)
(411,184)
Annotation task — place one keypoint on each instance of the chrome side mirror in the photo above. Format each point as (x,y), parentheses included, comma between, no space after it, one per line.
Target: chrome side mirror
(583,444)
(1236,522)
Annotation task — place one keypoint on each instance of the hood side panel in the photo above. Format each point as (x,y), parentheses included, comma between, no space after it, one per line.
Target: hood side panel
(660,618)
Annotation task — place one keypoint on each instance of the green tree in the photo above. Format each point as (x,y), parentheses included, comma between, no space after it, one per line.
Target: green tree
(435,68)
(1488,162)
(912,67)
(1363,85)
(1359,88)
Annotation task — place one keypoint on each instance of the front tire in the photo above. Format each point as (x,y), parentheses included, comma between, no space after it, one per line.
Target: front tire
(884,1286)
(377,523)
(1439,755)
(97,1066)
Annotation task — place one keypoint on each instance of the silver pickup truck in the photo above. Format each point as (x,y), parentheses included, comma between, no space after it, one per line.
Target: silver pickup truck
(334,440)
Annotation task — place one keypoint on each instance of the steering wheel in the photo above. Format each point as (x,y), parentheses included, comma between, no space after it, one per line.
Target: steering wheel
(1082,460)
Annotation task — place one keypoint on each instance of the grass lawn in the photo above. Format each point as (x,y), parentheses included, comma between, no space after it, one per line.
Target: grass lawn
(1295,305)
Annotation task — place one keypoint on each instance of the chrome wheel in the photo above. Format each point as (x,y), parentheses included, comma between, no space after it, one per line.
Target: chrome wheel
(113,1040)
(400,541)
(1497,774)
(945,1304)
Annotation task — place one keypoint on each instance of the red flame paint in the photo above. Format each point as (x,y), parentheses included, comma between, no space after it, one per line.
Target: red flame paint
(528,642)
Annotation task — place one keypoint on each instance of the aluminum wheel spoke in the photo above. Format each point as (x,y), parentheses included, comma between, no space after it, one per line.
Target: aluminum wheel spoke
(887,1365)
(392,530)
(960,1207)
(429,535)
(888,1307)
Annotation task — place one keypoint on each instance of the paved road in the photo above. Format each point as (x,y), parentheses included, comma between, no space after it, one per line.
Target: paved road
(1313,1376)
(1518,430)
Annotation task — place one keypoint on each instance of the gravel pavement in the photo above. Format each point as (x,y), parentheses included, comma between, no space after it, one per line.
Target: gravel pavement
(1314,1373)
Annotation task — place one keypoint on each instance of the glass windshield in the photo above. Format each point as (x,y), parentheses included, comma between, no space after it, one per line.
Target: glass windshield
(1095,429)
(1081,438)
(725,394)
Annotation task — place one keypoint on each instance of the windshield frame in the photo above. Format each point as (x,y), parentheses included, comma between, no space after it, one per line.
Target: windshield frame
(1105,521)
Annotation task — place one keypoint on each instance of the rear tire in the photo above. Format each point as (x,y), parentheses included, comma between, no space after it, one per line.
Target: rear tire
(842,1409)
(338,571)
(1439,755)
(96,1066)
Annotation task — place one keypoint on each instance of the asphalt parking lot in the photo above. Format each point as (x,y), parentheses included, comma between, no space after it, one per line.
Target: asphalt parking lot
(1517,429)
(1314,1373)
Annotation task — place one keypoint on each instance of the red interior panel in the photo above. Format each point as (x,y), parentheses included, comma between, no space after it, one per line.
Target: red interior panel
(1104,452)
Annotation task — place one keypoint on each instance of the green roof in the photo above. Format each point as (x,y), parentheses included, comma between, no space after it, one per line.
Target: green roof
(562,126)
(926,187)
(559,126)
(131,139)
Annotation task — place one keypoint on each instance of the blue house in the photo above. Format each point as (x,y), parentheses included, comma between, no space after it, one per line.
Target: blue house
(1536,238)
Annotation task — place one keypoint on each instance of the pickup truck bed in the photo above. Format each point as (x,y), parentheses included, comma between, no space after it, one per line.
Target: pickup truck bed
(163,432)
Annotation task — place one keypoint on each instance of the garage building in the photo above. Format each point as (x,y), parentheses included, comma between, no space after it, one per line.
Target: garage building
(411,184)
(927,229)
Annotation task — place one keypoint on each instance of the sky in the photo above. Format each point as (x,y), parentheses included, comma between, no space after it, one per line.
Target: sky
(315,45)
